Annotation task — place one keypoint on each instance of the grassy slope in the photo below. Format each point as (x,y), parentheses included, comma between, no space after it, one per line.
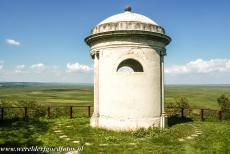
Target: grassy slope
(215,137)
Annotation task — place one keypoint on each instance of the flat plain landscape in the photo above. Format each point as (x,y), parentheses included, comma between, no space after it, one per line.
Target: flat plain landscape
(193,136)
(48,93)
(199,96)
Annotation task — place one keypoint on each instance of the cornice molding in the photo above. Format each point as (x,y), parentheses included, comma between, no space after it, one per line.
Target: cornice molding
(105,36)
(127,25)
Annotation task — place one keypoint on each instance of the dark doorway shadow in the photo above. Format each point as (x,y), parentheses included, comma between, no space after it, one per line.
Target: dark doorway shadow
(176,119)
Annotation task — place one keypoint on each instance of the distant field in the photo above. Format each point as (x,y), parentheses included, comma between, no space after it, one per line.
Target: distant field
(49,93)
(200,96)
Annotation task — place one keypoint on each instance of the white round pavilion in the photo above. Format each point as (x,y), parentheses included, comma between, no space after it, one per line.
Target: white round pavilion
(128,51)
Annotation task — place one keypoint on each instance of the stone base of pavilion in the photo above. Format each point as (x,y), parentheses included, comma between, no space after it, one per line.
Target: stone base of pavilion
(128,124)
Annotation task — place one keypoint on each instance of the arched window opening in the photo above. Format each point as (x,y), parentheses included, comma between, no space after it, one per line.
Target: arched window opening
(129,66)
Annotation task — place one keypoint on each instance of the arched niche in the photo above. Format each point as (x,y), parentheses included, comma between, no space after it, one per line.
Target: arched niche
(130,66)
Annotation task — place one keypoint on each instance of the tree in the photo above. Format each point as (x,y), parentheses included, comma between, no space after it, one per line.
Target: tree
(223,102)
(182,102)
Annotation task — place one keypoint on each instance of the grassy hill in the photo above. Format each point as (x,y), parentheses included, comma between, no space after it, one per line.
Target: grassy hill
(191,136)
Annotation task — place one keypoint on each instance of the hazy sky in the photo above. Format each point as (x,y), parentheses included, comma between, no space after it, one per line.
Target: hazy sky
(43,40)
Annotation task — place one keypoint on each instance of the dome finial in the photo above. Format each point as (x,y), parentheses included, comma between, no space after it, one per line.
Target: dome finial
(128,8)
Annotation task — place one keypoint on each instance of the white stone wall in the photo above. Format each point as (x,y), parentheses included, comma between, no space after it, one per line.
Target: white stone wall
(127,100)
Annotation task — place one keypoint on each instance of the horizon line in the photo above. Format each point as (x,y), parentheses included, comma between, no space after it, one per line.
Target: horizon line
(46,82)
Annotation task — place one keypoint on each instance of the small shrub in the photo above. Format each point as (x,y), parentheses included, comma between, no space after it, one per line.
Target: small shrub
(170,105)
(223,102)
(171,109)
(35,109)
(11,113)
(182,102)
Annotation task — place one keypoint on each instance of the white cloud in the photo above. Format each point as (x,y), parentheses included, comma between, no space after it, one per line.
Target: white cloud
(40,72)
(20,68)
(12,42)
(200,66)
(38,68)
(76,67)
(1,64)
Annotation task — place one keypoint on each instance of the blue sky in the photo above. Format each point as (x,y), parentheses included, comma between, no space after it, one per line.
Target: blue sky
(43,40)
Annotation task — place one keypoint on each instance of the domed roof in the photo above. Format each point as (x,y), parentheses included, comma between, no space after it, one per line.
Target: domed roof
(127,21)
(128,16)
(127,25)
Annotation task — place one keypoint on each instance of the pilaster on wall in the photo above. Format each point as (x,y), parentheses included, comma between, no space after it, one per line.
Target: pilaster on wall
(96,84)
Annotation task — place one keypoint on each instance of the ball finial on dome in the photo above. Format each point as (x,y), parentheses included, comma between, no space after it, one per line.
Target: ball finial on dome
(128,8)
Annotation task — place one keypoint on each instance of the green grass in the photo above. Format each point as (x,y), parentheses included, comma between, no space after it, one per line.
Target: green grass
(199,96)
(214,139)
(47,94)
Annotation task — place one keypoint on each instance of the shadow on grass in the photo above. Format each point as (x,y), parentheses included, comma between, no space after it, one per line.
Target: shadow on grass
(21,134)
(173,120)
